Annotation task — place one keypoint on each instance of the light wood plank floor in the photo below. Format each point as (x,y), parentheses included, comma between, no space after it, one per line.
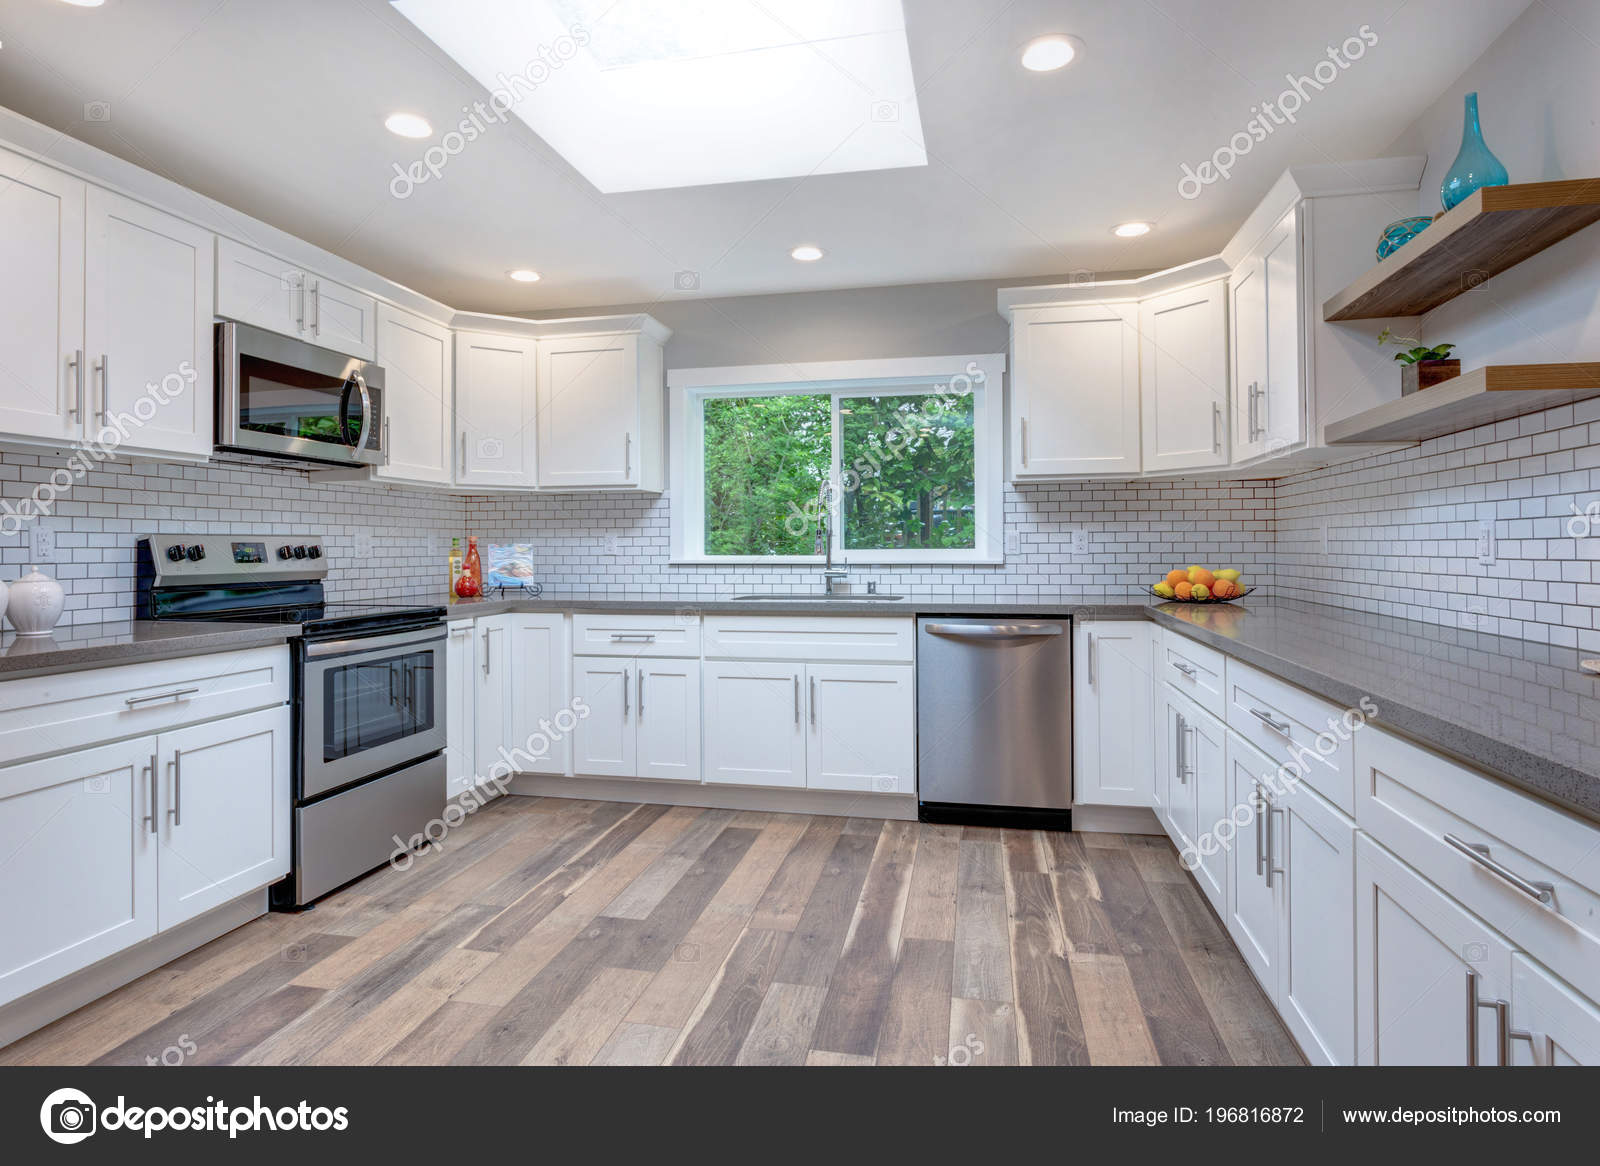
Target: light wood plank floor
(553,931)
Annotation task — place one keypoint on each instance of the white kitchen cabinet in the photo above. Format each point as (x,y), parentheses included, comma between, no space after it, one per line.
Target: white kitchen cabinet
(1269,402)
(461,697)
(257,288)
(600,412)
(493,681)
(1313,845)
(419,389)
(1075,391)
(754,732)
(494,410)
(42,385)
(1195,773)
(860,727)
(1113,754)
(1549,1023)
(1183,378)
(80,861)
(225,805)
(541,691)
(605,743)
(666,708)
(1254,890)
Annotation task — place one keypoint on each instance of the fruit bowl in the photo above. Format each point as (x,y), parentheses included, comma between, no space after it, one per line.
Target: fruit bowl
(1208,599)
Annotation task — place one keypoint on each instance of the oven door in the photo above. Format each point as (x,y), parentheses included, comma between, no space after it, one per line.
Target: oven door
(369,704)
(287,398)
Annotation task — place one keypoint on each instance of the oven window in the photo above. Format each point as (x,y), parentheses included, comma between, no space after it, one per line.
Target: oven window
(292,402)
(374,702)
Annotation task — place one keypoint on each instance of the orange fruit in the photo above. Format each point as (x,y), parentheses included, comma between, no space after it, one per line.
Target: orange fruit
(1223,589)
(1176,577)
(1201,576)
(1183,589)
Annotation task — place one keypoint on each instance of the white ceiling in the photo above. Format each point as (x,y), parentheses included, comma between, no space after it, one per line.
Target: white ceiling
(276,108)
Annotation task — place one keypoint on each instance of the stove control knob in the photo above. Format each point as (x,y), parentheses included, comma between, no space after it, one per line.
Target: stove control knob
(285,552)
(196,553)
(300,552)
(176,552)
(314,552)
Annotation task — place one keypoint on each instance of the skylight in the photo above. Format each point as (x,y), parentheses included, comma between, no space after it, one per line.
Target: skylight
(649,94)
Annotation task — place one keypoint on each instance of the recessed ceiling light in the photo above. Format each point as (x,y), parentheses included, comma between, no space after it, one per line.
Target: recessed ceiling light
(523,275)
(1131,230)
(1043,54)
(86,3)
(806,253)
(407,125)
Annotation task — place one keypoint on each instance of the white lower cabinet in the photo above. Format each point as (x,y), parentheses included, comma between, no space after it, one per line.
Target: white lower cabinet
(1193,774)
(492,679)
(1253,895)
(540,722)
(1113,761)
(860,727)
(643,717)
(1549,1023)
(754,723)
(461,698)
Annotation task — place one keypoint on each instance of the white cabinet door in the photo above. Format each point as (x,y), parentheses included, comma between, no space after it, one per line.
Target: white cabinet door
(1550,1023)
(589,411)
(666,709)
(79,861)
(1427,971)
(43,381)
(1183,378)
(1178,811)
(1314,844)
(341,318)
(1075,391)
(260,289)
(540,733)
(147,326)
(1198,796)
(418,393)
(492,699)
(605,743)
(861,727)
(753,730)
(1268,392)
(1248,292)
(1253,888)
(494,410)
(461,696)
(1113,719)
(224,821)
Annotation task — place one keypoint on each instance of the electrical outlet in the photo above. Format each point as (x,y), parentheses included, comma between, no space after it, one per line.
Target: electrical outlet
(1013,542)
(1080,543)
(363,541)
(613,543)
(1486,542)
(42,542)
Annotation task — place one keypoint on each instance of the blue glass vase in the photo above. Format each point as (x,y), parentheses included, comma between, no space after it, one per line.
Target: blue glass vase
(1475,164)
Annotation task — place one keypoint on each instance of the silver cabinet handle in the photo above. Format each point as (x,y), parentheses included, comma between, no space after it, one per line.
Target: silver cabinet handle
(625,679)
(627,455)
(488,651)
(1509,1034)
(633,637)
(386,446)
(175,694)
(75,363)
(1090,655)
(797,698)
(1473,1005)
(150,777)
(316,308)
(994,631)
(1479,853)
(1270,721)
(1187,669)
(105,387)
(176,765)
(463,451)
(1272,843)
(1024,441)
(813,697)
(1260,800)
(1216,428)
(1182,747)
(300,311)
(641,694)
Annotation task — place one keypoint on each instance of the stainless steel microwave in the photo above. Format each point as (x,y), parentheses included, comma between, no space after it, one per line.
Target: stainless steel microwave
(285,398)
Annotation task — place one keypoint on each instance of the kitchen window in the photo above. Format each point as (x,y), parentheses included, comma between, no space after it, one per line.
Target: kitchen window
(903,457)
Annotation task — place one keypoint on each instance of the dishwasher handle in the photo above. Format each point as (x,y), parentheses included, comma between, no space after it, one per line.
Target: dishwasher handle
(994,631)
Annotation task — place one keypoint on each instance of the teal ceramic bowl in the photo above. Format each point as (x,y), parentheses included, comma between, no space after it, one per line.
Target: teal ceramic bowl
(1400,232)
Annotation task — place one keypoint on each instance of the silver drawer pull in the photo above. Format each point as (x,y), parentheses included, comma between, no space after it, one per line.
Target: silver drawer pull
(175,694)
(633,637)
(1270,721)
(1479,853)
(1187,669)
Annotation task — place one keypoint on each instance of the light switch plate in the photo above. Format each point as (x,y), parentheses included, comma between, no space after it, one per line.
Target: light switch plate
(1013,542)
(1485,542)
(42,541)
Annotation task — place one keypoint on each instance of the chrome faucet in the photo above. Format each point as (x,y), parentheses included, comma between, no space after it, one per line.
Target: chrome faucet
(824,541)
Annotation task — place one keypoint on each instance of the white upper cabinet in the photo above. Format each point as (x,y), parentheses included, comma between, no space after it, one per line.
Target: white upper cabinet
(1075,391)
(256,288)
(416,356)
(147,327)
(600,412)
(42,390)
(1269,407)
(1183,378)
(494,410)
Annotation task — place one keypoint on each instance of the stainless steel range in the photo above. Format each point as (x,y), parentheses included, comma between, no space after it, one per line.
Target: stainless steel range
(369,694)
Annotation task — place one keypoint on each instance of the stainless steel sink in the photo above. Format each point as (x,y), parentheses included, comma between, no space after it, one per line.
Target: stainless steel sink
(813,597)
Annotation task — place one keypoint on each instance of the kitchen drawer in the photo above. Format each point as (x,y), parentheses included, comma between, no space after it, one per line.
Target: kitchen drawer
(635,635)
(49,714)
(878,639)
(1291,726)
(1410,799)
(1194,670)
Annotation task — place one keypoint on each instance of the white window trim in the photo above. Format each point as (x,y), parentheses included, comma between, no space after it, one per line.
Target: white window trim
(688,388)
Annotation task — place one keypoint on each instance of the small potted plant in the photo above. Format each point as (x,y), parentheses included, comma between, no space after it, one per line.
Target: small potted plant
(1423,367)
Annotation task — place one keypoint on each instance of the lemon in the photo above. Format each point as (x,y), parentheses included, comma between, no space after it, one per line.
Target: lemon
(1230,575)
(1200,591)
(1164,589)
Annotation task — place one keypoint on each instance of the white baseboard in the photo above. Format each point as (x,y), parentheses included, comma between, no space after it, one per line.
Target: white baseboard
(53,1001)
(1116,820)
(899,807)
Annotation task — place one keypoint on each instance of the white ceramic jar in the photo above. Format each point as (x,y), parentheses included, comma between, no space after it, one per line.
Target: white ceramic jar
(34,604)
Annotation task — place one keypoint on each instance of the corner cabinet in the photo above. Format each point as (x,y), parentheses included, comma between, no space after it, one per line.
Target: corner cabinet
(601,403)
(1075,391)
(419,393)
(494,410)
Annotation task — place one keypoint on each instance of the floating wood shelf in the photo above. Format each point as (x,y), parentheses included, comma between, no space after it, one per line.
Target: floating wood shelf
(1493,228)
(1496,392)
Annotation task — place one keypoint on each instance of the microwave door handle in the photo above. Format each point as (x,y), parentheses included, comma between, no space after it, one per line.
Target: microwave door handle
(366,410)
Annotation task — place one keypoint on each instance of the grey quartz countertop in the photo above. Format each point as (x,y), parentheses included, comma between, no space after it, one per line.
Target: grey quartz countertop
(79,646)
(1111,603)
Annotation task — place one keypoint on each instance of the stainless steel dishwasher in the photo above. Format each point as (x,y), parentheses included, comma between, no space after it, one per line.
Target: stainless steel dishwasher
(994,721)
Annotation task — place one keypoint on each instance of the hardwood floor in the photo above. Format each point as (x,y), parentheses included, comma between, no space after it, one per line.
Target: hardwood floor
(576,932)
